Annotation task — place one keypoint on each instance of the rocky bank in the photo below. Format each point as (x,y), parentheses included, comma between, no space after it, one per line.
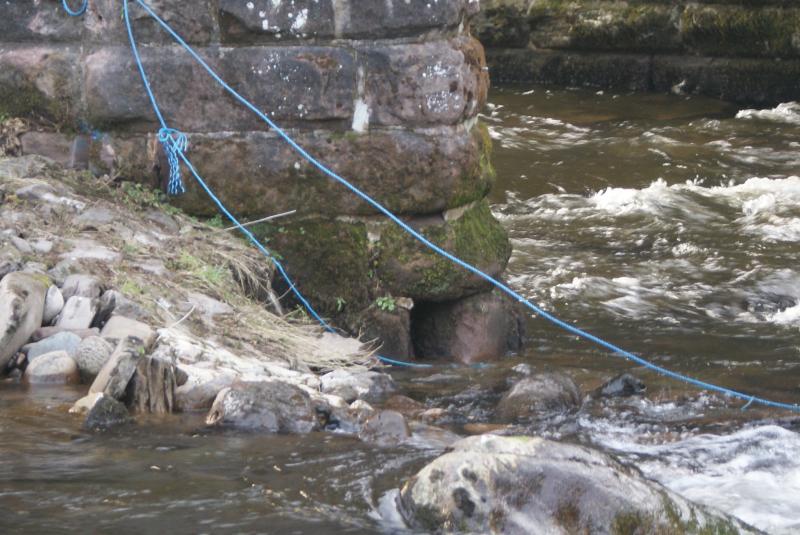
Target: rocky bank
(385,93)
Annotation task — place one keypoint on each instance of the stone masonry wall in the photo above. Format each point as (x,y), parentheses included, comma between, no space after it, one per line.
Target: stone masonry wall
(746,51)
(386,92)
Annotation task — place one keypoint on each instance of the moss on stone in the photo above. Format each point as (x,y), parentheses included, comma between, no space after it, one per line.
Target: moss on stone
(741,31)
(476,182)
(409,269)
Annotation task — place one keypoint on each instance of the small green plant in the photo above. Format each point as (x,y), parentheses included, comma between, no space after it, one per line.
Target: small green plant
(387,304)
(129,287)
(216,221)
(340,304)
(135,195)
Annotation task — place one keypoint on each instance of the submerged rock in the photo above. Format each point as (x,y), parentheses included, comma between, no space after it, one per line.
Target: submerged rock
(537,396)
(22,299)
(524,485)
(387,428)
(369,386)
(268,406)
(623,385)
(104,412)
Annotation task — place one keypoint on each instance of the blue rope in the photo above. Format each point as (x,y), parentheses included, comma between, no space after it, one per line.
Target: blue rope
(419,237)
(75,13)
(175,144)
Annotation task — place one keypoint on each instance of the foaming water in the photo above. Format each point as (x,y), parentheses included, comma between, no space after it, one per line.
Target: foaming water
(786,112)
(752,473)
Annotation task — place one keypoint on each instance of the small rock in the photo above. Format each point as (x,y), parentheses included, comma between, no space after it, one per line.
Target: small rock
(85,404)
(435,415)
(105,413)
(22,299)
(369,386)
(53,305)
(623,385)
(91,355)
(113,302)
(21,244)
(404,405)
(363,410)
(63,341)
(95,217)
(118,371)
(387,428)
(119,327)
(537,396)
(46,332)
(81,286)
(334,414)
(56,368)
(78,313)
(42,246)
(269,406)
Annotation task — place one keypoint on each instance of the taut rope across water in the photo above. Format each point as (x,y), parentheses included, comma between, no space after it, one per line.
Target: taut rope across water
(174,144)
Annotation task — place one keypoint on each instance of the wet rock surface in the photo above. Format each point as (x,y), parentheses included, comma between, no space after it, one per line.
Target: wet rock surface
(521,485)
(269,406)
(368,386)
(538,396)
(55,368)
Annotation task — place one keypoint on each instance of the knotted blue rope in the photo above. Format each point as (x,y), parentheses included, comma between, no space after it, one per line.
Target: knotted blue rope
(72,12)
(403,225)
(175,144)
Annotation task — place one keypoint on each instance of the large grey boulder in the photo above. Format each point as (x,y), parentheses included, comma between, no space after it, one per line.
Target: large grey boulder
(523,485)
(268,406)
(82,286)
(22,298)
(538,396)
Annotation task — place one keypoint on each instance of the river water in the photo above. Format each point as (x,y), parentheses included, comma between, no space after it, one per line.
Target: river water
(667,224)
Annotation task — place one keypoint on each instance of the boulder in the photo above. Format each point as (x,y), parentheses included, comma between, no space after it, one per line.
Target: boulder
(82,286)
(523,485)
(104,413)
(268,406)
(369,386)
(117,372)
(91,355)
(63,341)
(22,299)
(56,368)
(481,327)
(200,388)
(386,428)
(78,313)
(119,327)
(537,396)
(53,304)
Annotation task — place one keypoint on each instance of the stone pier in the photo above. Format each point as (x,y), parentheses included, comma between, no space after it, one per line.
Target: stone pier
(385,92)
